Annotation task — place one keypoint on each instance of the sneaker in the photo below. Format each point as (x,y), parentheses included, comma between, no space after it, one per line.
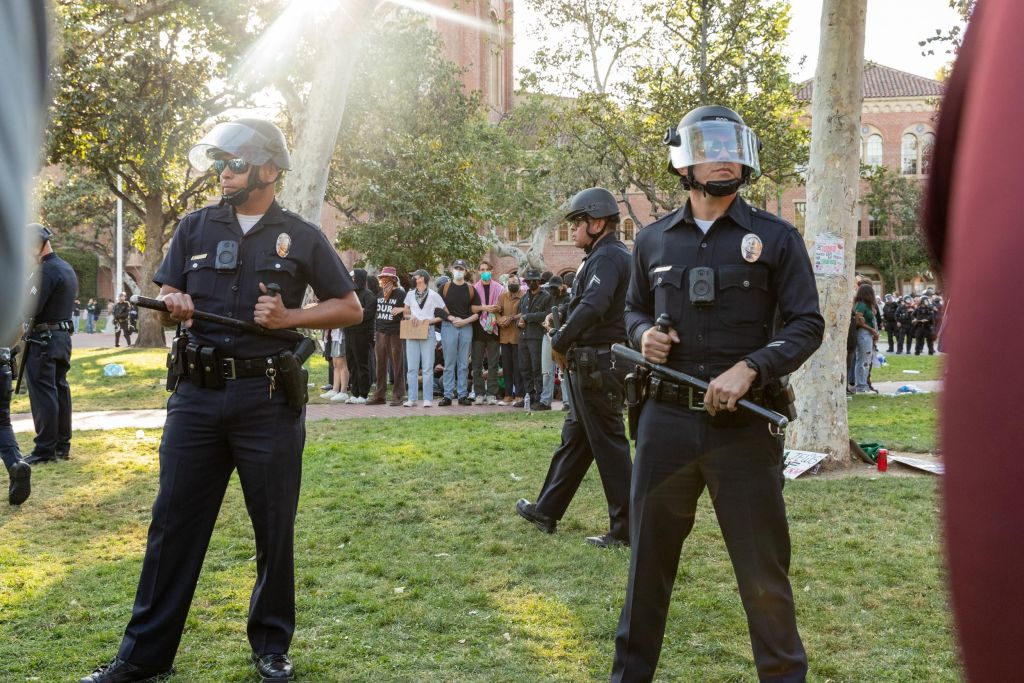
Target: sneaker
(478,401)
(428,404)
(409,404)
(340,397)
(518,403)
(329,394)
(491,401)
(361,400)
(444,402)
(374,402)
(465,401)
(542,406)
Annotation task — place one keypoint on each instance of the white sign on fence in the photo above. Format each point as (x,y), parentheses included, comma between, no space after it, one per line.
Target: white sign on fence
(829,255)
(798,462)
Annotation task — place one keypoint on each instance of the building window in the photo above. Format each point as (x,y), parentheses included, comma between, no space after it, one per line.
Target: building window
(909,154)
(628,230)
(874,226)
(495,61)
(927,145)
(800,216)
(873,150)
(563,231)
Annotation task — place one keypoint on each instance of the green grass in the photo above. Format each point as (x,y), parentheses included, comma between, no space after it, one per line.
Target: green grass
(929,367)
(900,423)
(412,566)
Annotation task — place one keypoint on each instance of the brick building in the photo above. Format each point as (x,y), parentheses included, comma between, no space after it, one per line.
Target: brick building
(898,122)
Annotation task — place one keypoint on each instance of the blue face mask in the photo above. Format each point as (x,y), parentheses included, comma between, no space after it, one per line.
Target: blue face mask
(485,276)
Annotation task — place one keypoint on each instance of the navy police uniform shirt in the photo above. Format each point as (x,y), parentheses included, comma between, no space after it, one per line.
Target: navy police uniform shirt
(761,268)
(58,287)
(595,314)
(281,248)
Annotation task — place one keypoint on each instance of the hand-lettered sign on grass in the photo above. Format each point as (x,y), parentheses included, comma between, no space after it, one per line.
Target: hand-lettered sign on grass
(798,462)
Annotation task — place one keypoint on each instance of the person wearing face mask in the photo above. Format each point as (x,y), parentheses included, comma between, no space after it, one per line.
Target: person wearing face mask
(533,309)
(457,334)
(508,336)
(486,345)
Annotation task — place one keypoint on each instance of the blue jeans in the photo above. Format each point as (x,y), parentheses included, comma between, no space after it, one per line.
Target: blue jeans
(455,344)
(547,367)
(862,360)
(419,356)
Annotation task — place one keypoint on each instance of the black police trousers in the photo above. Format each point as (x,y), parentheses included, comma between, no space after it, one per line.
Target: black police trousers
(208,434)
(47,363)
(596,435)
(903,335)
(679,453)
(923,333)
(890,332)
(9,451)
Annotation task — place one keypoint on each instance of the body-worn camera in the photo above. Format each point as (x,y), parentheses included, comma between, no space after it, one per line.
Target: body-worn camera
(227,256)
(702,286)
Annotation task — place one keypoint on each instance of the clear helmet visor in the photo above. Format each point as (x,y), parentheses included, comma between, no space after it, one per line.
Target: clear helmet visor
(230,139)
(716,141)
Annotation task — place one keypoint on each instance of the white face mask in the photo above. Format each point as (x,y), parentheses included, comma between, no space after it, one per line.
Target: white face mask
(458,275)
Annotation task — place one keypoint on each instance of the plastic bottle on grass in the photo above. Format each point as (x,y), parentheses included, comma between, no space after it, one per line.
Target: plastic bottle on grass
(526,402)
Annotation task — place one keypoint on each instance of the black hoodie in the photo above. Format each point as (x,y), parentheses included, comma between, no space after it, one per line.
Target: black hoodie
(367,299)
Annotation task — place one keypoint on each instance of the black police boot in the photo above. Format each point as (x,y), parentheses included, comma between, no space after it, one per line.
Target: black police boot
(120,671)
(21,483)
(62,455)
(606,541)
(528,511)
(273,667)
(36,459)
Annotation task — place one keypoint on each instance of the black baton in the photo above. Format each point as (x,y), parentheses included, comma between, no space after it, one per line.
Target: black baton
(631,356)
(252,328)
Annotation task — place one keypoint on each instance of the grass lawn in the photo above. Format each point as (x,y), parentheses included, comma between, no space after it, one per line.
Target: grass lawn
(412,566)
(928,367)
(900,423)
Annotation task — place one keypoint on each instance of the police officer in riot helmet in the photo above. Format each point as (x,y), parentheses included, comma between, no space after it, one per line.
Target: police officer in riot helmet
(47,355)
(235,404)
(719,271)
(889,318)
(591,322)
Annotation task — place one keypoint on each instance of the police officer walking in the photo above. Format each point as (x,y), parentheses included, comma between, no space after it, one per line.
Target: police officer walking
(48,352)
(19,473)
(719,269)
(230,408)
(593,431)
(122,323)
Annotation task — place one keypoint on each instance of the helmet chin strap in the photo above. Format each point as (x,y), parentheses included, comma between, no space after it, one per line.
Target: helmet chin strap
(715,188)
(240,197)
(593,238)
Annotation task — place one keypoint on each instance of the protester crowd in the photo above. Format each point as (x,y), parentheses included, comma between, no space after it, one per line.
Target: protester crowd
(910,323)
(466,338)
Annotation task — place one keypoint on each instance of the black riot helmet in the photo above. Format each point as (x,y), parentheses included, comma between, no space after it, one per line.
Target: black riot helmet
(254,141)
(594,202)
(708,134)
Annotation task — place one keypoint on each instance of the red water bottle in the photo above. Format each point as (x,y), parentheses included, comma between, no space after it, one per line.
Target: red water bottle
(883,459)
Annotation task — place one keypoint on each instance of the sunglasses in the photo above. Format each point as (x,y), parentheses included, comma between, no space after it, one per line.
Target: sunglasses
(714,148)
(236,165)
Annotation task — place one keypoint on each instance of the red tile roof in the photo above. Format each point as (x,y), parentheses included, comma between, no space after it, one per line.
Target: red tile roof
(883,81)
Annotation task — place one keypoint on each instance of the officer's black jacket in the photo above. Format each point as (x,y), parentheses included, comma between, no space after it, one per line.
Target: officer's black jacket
(889,312)
(58,287)
(924,315)
(598,298)
(281,248)
(741,322)
(904,314)
(534,308)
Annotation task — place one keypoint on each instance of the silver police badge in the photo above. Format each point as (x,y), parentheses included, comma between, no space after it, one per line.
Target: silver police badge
(284,244)
(750,248)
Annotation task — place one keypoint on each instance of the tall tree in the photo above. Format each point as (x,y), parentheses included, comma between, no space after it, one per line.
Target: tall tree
(833,181)
(133,88)
(404,168)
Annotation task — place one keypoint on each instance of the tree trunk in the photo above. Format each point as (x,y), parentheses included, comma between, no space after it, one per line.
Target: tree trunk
(832,189)
(151,332)
(338,41)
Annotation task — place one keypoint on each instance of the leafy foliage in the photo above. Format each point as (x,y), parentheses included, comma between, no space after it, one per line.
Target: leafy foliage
(406,167)
(894,203)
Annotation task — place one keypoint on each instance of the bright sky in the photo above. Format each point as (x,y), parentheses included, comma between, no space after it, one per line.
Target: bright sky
(894,28)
